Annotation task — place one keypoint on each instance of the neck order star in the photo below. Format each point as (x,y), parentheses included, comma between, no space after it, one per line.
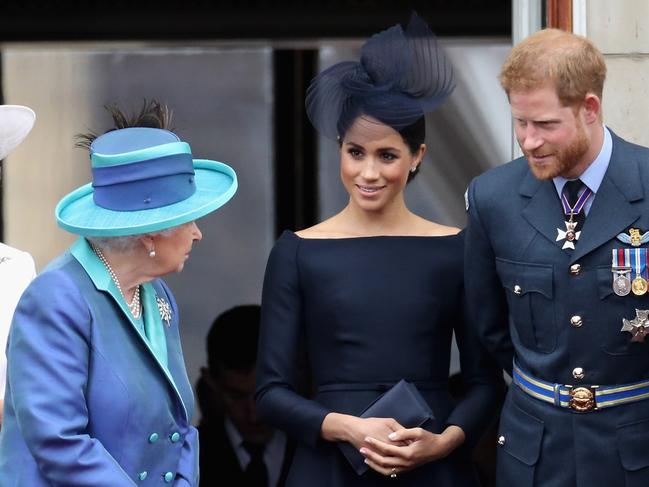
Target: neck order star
(134,306)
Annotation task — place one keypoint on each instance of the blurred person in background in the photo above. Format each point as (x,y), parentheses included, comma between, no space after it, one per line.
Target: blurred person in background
(235,443)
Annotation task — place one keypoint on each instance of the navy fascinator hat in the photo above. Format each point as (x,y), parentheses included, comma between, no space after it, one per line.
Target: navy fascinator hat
(402,74)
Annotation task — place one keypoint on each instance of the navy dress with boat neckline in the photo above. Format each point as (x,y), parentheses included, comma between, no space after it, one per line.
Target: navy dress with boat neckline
(369,311)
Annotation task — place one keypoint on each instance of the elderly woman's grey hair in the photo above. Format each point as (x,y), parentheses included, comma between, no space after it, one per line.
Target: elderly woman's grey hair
(127,244)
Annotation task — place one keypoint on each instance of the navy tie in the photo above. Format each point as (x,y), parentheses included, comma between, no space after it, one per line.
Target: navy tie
(256,473)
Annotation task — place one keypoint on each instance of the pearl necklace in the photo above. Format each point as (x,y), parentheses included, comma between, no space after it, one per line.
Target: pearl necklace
(134,306)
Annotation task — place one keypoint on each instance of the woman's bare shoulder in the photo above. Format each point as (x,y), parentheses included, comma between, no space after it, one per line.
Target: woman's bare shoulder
(433,229)
(328,228)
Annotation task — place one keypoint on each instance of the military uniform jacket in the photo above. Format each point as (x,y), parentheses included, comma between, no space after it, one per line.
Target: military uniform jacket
(87,403)
(555,311)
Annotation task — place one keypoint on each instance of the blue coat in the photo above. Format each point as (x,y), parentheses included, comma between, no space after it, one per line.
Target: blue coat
(87,402)
(526,294)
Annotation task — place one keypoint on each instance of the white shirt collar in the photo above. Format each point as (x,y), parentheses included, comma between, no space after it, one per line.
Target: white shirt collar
(273,453)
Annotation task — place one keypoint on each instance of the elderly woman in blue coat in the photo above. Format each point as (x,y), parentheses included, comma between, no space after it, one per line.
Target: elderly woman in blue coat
(97,391)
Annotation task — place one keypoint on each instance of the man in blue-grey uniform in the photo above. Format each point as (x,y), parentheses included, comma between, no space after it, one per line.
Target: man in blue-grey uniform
(556,276)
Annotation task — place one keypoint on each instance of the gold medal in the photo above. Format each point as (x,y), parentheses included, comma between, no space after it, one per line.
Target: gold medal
(639,283)
(639,286)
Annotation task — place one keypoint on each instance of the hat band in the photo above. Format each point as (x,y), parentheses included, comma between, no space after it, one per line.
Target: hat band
(144,185)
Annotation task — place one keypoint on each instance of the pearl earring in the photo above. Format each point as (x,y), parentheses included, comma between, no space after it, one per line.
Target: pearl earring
(413,168)
(152,253)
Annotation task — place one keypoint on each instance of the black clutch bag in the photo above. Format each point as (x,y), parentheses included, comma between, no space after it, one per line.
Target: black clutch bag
(404,403)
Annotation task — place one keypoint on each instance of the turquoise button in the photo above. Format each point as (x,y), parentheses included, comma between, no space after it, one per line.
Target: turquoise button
(142,475)
(169,477)
(153,438)
(175,437)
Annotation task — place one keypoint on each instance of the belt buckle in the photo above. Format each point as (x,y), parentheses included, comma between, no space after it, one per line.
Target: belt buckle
(582,398)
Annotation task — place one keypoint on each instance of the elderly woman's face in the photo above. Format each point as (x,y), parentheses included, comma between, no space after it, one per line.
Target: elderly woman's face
(173,250)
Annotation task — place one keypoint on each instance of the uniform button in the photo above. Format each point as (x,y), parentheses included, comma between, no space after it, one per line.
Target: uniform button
(168,477)
(142,475)
(174,437)
(501,440)
(153,437)
(575,269)
(517,289)
(578,373)
(576,321)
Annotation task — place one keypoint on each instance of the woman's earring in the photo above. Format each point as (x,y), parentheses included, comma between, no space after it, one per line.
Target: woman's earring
(152,253)
(413,168)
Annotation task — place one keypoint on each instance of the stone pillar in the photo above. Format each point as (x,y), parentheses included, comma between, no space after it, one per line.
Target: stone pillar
(621,31)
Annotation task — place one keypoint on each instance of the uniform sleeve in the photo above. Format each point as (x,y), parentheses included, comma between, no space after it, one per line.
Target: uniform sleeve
(48,357)
(278,402)
(483,385)
(487,306)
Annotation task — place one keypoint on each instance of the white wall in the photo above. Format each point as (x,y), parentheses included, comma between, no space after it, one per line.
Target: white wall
(621,31)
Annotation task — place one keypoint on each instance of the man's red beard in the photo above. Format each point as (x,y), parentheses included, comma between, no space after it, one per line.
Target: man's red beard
(563,160)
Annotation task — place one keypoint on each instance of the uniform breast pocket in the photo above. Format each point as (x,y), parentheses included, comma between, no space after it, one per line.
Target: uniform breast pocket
(529,290)
(612,310)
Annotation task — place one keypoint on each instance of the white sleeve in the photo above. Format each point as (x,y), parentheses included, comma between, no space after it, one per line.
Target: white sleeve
(17,270)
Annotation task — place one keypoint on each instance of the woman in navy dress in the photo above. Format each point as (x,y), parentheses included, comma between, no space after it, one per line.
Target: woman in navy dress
(374,293)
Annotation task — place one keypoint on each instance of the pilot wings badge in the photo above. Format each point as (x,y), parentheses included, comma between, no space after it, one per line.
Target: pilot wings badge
(634,238)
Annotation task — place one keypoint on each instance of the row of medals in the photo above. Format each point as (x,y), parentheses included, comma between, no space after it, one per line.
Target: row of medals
(623,285)
(622,282)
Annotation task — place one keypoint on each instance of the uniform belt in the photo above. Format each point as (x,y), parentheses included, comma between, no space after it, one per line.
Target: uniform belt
(580,398)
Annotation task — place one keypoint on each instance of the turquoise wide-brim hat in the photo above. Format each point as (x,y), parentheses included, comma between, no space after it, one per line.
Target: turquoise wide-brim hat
(144,180)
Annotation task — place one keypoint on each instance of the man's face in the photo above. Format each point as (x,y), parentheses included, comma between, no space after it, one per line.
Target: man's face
(552,137)
(238,396)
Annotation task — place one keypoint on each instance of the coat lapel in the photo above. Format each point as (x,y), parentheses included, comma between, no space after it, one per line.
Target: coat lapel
(612,211)
(175,366)
(82,251)
(167,371)
(544,210)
